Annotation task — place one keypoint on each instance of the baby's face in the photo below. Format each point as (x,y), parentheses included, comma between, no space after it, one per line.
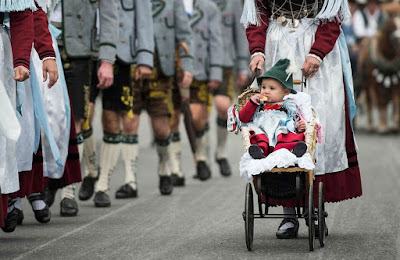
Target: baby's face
(273,90)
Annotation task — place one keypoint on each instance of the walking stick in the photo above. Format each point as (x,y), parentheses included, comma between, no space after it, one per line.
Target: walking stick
(185,94)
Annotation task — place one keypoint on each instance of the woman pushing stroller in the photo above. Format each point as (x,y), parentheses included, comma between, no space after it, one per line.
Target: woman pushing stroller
(308,33)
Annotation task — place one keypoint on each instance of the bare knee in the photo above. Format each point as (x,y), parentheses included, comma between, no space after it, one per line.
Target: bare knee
(199,116)
(161,127)
(130,124)
(222,103)
(176,116)
(111,122)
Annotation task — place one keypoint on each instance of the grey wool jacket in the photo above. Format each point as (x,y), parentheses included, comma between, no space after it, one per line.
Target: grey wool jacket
(136,41)
(236,47)
(171,25)
(209,55)
(79,28)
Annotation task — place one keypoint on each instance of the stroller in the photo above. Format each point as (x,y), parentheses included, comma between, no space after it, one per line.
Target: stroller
(284,184)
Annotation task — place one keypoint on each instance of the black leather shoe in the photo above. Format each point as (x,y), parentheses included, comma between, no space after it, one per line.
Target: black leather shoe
(289,232)
(224,167)
(10,223)
(101,199)
(177,181)
(20,217)
(203,171)
(256,152)
(68,207)
(166,186)
(87,188)
(300,149)
(49,195)
(126,191)
(42,215)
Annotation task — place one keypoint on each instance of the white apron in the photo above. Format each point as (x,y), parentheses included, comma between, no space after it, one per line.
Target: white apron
(9,126)
(56,105)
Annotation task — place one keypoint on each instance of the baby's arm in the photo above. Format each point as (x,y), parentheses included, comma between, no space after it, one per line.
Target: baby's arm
(246,113)
(301,126)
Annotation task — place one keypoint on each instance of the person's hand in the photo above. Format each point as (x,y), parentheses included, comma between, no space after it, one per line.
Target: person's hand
(256,98)
(301,126)
(105,75)
(142,72)
(241,79)
(50,68)
(21,73)
(310,67)
(186,80)
(213,85)
(257,62)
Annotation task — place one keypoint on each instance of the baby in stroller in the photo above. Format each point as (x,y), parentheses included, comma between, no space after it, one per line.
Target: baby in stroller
(274,122)
(277,120)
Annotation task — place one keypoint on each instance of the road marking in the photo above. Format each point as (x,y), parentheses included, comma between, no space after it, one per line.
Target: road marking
(74,231)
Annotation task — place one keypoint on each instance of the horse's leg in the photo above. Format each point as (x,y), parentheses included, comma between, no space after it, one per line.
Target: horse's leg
(369,104)
(396,108)
(382,111)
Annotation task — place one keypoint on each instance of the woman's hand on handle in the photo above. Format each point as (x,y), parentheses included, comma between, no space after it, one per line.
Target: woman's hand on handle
(310,66)
(257,62)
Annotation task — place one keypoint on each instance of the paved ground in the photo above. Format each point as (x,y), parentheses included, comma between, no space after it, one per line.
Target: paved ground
(203,220)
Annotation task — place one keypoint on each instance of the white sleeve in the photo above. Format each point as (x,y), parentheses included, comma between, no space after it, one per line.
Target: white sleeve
(359,26)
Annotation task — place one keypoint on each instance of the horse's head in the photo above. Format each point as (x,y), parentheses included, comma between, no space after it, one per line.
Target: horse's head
(390,25)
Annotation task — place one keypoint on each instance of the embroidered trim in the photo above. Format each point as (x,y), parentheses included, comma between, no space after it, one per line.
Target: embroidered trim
(257,53)
(49,58)
(315,56)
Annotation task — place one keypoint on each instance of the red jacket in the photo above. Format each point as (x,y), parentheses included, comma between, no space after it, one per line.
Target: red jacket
(325,36)
(29,28)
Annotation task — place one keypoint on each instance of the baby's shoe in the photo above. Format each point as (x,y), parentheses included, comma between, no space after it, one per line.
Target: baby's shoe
(300,149)
(256,152)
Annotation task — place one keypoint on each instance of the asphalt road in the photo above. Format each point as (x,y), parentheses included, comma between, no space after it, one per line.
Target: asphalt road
(203,220)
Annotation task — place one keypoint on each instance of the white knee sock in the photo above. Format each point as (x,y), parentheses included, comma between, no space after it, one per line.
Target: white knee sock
(37,204)
(68,192)
(202,145)
(79,137)
(163,157)
(287,211)
(108,159)
(11,204)
(222,135)
(18,203)
(129,149)
(175,155)
(89,154)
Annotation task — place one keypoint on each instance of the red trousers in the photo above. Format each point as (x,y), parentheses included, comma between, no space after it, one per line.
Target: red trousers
(287,141)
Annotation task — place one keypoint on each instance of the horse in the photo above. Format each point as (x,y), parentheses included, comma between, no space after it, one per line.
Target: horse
(379,70)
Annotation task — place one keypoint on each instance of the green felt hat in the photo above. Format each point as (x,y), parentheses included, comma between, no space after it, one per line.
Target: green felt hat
(279,72)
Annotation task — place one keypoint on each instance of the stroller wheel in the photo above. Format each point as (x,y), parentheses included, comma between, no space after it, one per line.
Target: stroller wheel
(311,214)
(249,216)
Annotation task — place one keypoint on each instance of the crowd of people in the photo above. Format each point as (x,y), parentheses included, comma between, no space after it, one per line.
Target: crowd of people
(165,57)
(127,52)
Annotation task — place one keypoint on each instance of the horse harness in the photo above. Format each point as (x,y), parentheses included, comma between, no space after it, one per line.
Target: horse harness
(385,72)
